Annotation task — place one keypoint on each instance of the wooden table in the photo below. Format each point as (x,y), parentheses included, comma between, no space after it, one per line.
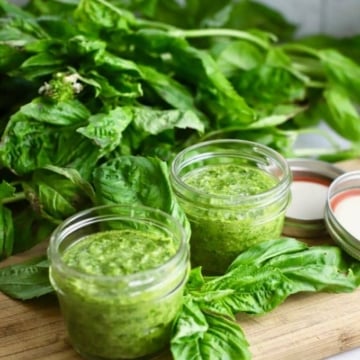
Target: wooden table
(306,326)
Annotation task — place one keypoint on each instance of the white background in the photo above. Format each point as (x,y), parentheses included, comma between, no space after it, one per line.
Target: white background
(333,17)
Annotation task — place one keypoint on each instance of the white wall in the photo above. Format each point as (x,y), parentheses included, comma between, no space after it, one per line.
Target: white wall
(333,17)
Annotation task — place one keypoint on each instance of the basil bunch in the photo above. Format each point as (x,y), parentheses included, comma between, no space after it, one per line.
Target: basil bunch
(86,82)
(258,281)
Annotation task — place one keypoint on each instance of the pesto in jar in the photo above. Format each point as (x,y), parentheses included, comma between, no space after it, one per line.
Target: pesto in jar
(230,179)
(105,318)
(220,233)
(119,252)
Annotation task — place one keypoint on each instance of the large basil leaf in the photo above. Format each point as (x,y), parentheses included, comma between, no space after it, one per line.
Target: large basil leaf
(131,180)
(95,16)
(281,86)
(237,55)
(106,129)
(342,71)
(343,115)
(46,142)
(57,193)
(26,280)
(152,121)
(262,277)
(247,289)
(70,112)
(168,89)
(204,336)
(259,254)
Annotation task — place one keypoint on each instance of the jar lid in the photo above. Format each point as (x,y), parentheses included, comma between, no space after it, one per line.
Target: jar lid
(342,212)
(311,179)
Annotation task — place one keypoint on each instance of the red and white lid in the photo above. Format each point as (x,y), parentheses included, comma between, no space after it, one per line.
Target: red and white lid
(342,215)
(311,180)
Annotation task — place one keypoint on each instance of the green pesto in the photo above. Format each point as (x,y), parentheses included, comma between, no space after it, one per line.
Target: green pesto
(230,179)
(119,252)
(104,319)
(219,234)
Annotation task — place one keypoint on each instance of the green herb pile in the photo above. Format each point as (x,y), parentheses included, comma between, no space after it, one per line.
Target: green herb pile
(85,82)
(98,96)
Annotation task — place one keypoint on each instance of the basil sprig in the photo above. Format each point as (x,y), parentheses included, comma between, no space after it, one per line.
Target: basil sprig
(258,281)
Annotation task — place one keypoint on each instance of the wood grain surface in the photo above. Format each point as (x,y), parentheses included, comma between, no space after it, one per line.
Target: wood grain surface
(305,326)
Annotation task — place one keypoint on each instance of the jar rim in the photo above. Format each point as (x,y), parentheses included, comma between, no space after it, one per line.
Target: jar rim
(347,182)
(313,172)
(343,180)
(233,199)
(134,279)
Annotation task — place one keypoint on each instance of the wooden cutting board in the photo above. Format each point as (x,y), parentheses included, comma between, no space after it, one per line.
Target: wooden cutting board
(305,326)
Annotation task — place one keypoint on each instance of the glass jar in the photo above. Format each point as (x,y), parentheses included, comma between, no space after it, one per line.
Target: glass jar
(311,180)
(341,212)
(234,193)
(110,314)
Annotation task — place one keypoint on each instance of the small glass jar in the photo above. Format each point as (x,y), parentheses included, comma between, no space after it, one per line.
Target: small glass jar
(119,316)
(342,212)
(238,200)
(311,179)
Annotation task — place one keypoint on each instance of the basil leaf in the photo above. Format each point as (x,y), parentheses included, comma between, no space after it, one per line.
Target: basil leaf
(320,268)
(342,71)
(166,120)
(57,193)
(204,336)
(263,276)
(236,55)
(45,144)
(257,255)
(41,64)
(277,115)
(131,180)
(168,89)
(254,290)
(68,112)
(344,117)
(195,280)
(106,129)
(307,255)
(224,340)
(27,280)
(190,323)
(269,85)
